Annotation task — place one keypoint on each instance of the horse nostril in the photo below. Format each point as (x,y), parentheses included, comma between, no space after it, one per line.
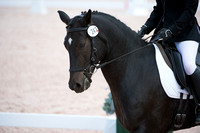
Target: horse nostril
(77,85)
(74,86)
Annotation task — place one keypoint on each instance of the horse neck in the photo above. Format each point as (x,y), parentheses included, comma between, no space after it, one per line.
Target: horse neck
(121,40)
(116,72)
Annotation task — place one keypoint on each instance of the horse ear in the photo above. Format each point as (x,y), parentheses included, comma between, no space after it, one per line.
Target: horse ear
(87,17)
(64,17)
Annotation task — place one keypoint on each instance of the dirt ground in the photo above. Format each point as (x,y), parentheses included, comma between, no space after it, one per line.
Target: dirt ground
(34,68)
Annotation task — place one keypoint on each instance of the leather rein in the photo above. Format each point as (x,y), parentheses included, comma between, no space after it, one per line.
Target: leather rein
(88,71)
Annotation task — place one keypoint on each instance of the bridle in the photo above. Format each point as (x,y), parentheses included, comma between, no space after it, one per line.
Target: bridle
(95,64)
(92,63)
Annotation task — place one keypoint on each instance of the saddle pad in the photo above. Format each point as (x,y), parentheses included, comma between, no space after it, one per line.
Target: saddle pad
(167,78)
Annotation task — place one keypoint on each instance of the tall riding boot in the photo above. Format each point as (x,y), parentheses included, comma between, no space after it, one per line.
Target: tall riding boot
(195,83)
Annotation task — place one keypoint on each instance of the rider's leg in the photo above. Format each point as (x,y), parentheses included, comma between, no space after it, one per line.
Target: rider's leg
(188,50)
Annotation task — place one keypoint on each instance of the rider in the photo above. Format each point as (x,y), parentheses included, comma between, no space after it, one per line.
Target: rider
(175,22)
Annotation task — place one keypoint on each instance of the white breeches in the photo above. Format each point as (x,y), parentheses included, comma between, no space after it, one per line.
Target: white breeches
(188,51)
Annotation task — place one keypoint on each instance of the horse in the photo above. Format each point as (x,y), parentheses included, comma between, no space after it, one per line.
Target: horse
(99,40)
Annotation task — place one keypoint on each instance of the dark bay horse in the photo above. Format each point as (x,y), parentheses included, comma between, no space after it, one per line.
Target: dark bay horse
(140,102)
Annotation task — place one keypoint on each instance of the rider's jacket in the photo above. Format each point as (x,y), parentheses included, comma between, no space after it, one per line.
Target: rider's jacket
(178,16)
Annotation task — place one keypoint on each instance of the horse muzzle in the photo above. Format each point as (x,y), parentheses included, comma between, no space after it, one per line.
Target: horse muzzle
(79,84)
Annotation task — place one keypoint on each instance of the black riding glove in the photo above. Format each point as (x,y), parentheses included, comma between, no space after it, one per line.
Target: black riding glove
(142,31)
(165,34)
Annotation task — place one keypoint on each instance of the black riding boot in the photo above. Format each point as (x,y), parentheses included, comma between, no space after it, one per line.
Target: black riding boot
(195,81)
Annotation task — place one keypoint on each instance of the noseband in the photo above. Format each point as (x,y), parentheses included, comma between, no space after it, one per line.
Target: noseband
(87,71)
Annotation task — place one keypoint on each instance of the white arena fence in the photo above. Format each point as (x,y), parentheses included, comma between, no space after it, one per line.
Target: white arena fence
(77,122)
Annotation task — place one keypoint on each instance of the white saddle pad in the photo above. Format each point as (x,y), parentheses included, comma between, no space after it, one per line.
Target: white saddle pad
(168,80)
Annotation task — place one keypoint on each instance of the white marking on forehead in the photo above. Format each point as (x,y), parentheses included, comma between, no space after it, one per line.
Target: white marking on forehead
(70,41)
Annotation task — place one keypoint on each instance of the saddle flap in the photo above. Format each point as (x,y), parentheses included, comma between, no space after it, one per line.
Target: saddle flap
(178,68)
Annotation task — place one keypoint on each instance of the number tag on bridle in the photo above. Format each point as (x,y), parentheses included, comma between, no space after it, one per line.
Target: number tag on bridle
(92,31)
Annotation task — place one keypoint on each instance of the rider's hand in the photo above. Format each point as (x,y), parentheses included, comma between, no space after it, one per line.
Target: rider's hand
(165,34)
(142,31)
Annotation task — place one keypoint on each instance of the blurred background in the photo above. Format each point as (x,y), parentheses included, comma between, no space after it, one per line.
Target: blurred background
(34,63)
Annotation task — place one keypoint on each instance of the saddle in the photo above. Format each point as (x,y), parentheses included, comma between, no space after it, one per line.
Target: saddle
(174,61)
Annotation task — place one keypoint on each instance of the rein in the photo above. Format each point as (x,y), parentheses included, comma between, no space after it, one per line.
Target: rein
(126,54)
(89,71)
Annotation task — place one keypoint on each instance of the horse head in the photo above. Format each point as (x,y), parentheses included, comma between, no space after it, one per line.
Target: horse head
(82,50)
